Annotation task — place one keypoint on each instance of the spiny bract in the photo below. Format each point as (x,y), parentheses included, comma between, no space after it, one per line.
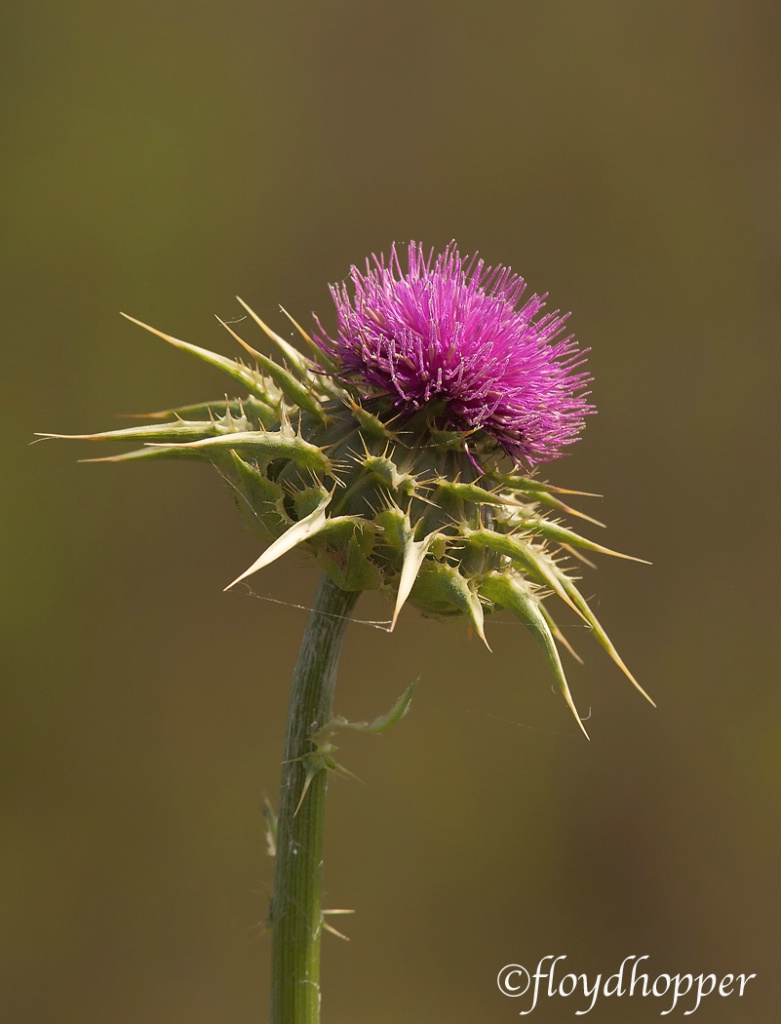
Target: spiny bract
(394,452)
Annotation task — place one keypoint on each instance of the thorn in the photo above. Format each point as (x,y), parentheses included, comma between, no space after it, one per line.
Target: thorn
(311,771)
(295,358)
(297,325)
(571,705)
(579,555)
(334,931)
(253,352)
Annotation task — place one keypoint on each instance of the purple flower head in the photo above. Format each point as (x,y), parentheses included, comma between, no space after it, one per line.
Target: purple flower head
(450,336)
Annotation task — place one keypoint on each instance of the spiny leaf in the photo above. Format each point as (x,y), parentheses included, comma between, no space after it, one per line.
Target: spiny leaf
(558,533)
(293,356)
(525,483)
(266,445)
(558,636)
(295,392)
(387,472)
(321,358)
(441,589)
(371,426)
(413,554)
(344,548)
(255,382)
(542,493)
(181,430)
(519,599)
(295,535)
(581,606)
(472,493)
(383,722)
(260,500)
(249,407)
(541,566)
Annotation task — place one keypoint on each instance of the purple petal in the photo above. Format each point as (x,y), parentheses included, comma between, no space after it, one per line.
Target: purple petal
(454,334)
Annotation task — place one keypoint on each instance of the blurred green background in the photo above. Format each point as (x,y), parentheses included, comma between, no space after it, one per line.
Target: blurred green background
(162,158)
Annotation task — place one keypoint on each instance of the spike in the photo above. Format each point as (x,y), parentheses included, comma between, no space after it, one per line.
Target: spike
(293,356)
(440,588)
(330,928)
(582,607)
(473,493)
(547,499)
(511,594)
(321,358)
(536,561)
(558,636)
(271,827)
(269,445)
(167,433)
(525,483)
(166,451)
(555,532)
(292,389)
(300,531)
(251,380)
(579,555)
(414,553)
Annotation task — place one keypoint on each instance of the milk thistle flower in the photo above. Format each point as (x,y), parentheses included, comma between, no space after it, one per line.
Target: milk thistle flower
(400,452)
(448,335)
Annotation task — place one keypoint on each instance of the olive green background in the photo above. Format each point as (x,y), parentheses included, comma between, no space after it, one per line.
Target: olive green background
(161,158)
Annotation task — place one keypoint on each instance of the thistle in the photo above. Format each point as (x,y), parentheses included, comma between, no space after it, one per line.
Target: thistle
(401,452)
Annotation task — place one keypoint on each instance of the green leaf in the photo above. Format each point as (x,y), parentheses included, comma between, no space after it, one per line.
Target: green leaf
(580,604)
(399,535)
(299,362)
(295,392)
(266,446)
(344,547)
(561,535)
(440,589)
(182,431)
(517,596)
(253,409)
(383,722)
(295,535)
(521,552)
(253,381)
(471,493)
(261,501)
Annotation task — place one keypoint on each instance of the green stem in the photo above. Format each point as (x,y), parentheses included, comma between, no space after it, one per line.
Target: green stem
(296,911)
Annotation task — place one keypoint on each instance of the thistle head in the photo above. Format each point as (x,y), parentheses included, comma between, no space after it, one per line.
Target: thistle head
(400,451)
(452,338)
